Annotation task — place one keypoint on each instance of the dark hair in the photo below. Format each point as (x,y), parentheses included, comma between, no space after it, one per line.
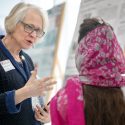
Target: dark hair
(103,106)
(90,24)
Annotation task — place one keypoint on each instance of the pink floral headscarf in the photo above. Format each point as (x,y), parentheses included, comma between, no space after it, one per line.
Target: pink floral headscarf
(100,60)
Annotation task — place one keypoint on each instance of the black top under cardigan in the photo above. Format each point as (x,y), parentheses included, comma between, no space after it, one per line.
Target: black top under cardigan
(11,81)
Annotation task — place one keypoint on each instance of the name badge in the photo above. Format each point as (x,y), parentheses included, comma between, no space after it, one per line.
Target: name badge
(7,65)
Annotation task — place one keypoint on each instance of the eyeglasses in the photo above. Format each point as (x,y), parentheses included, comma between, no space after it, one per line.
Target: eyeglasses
(29,28)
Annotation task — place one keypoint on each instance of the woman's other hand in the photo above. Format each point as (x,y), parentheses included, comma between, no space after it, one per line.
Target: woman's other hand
(42,114)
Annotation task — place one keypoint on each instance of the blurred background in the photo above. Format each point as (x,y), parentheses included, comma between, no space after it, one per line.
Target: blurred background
(54,53)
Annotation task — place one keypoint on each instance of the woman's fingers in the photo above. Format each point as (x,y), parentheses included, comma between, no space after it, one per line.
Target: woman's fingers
(47,107)
(41,115)
(48,83)
(42,112)
(34,72)
(39,87)
(38,116)
(46,79)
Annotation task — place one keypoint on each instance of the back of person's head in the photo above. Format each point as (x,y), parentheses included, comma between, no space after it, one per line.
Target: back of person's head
(90,24)
(19,12)
(101,65)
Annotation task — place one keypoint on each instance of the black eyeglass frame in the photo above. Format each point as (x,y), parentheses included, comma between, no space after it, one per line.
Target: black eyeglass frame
(29,29)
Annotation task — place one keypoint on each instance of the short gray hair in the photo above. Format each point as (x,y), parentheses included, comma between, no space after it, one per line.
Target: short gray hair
(18,13)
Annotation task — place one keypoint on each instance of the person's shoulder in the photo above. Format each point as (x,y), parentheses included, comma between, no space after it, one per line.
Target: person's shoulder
(73,82)
(73,79)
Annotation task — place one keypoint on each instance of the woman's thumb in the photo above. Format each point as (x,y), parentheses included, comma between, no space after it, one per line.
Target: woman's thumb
(34,73)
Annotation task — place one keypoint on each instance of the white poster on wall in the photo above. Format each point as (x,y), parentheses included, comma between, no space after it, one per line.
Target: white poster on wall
(112,11)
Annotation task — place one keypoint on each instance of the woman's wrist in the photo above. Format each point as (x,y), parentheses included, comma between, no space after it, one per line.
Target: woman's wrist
(21,94)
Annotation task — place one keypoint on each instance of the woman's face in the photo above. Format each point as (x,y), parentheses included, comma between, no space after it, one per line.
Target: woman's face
(27,31)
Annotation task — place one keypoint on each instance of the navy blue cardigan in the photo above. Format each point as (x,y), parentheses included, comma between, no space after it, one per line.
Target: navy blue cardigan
(21,114)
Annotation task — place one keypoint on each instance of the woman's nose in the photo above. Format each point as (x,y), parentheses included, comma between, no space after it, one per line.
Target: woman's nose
(33,34)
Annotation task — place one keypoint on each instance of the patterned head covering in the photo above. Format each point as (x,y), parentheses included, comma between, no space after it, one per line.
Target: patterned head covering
(99,58)
(100,62)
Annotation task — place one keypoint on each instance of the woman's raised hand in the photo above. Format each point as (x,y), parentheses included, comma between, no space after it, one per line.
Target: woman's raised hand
(37,87)
(34,87)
